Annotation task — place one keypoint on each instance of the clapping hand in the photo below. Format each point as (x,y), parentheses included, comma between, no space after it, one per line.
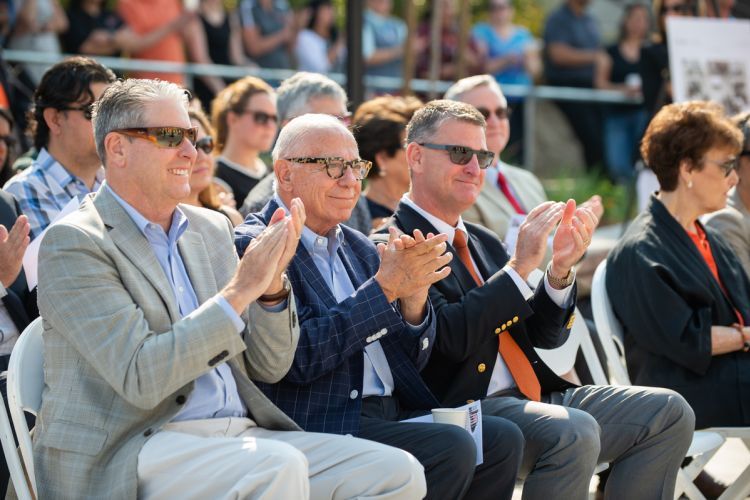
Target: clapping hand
(533,235)
(13,245)
(572,238)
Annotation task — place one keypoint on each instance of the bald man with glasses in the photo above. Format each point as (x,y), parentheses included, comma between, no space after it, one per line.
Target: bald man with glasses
(366,326)
(153,328)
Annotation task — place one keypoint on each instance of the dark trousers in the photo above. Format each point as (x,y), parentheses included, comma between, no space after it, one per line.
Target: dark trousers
(586,121)
(447,452)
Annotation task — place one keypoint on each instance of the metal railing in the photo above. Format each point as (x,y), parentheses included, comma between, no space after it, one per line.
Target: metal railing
(531,95)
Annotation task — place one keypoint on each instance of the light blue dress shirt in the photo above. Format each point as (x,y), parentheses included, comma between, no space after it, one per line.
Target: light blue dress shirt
(215,393)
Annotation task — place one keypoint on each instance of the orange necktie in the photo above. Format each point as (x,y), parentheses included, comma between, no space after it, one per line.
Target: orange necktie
(514,357)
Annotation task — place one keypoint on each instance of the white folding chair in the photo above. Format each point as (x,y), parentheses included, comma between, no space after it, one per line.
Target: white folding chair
(705,443)
(11,454)
(25,385)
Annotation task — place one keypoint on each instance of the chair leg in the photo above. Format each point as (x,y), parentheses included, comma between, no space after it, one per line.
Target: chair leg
(685,486)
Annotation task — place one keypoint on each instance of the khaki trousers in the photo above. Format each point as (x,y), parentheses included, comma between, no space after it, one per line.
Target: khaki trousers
(233,458)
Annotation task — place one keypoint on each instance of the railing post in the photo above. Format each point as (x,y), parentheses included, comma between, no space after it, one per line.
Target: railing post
(529,128)
(355,65)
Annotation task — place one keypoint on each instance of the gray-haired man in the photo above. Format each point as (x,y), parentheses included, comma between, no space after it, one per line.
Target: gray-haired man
(298,95)
(152,330)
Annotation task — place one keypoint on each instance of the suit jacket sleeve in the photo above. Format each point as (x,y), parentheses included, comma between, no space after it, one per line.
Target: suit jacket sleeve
(466,323)
(733,228)
(82,296)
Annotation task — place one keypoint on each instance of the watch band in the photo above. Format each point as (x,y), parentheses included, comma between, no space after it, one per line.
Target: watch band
(560,283)
(282,294)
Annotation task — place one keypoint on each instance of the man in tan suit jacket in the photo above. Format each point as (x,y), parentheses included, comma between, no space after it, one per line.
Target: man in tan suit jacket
(497,204)
(152,331)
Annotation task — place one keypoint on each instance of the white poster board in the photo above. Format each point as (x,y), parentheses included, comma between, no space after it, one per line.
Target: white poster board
(709,59)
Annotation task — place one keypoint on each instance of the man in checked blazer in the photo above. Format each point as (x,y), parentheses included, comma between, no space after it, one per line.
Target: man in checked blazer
(366,326)
(489,321)
(152,329)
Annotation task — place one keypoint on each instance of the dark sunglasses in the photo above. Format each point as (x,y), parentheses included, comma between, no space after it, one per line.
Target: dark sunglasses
(461,155)
(727,166)
(163,137)
(205,144)
(680,9)
(87,110)
(335,166)
(501,113)
(260,117)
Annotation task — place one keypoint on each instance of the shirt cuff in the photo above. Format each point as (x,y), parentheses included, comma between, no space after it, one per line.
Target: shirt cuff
(418,329)
(523,287)
(562,298)
(222,302)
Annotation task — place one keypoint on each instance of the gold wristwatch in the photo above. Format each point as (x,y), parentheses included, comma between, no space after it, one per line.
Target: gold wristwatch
(560,283)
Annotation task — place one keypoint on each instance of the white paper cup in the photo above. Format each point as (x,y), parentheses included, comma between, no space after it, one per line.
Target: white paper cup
(452,416)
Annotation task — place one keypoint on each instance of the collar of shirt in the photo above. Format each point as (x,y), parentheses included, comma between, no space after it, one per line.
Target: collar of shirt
(439,224)
(55,170)
(150,230)
(493,170)
(314,242)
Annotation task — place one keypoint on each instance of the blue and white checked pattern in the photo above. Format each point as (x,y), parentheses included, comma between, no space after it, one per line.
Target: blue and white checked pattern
(45,188)
(323,390)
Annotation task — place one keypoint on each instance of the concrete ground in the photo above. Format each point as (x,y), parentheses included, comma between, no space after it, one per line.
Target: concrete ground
(726,465)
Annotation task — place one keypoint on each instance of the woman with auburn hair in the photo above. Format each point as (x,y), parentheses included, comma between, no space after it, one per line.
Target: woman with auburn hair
(677,286)
(379,128)
(202,190)
(245,119)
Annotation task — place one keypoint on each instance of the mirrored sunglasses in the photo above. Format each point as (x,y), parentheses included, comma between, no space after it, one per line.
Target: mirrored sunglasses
(461,155)
(163,137)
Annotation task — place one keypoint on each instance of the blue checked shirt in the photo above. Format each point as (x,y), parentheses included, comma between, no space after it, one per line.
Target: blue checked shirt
(45,188)
(215,393)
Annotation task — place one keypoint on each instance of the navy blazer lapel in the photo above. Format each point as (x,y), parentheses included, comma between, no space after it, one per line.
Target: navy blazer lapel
(408,220)
(479,254)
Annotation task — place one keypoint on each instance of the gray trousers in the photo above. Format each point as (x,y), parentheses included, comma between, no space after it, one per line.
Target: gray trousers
(642,432)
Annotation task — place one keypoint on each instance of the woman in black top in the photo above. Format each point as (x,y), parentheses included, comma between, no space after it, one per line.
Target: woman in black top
(624,123)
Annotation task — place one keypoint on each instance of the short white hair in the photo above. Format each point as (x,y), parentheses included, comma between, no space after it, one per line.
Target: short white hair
(464,85)
(293,137)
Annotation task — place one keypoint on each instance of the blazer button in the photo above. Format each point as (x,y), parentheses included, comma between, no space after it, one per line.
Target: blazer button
(180,399)
(497,331)
(469,401)
(294,320)
(354,394)
(515,319)
(481,367)
(148,432)
(509,324)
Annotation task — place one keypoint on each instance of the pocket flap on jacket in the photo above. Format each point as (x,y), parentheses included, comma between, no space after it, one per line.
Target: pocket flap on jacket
(74,437)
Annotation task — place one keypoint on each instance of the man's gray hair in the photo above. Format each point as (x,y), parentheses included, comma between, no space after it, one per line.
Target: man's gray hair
(464,85)
(294,93)
(427,121)
(292,139)
(123,104)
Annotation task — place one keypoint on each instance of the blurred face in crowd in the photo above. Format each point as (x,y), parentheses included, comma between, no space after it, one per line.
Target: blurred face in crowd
(489,103)
(74,132)
(441,187)
(203,169)
(637,23)
(382,7)
(711,184)
(257,124)
(327,201)
(153,179)
(501,11)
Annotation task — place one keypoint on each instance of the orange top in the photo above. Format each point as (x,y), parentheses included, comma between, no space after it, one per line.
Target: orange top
(700,240)
(143,16)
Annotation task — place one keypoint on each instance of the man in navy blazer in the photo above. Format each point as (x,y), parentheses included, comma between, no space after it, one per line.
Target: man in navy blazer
(366,325)
(489,320)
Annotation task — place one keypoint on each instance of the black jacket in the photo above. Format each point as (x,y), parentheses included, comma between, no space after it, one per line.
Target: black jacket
(667,300)
(19,302)
(469,318)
